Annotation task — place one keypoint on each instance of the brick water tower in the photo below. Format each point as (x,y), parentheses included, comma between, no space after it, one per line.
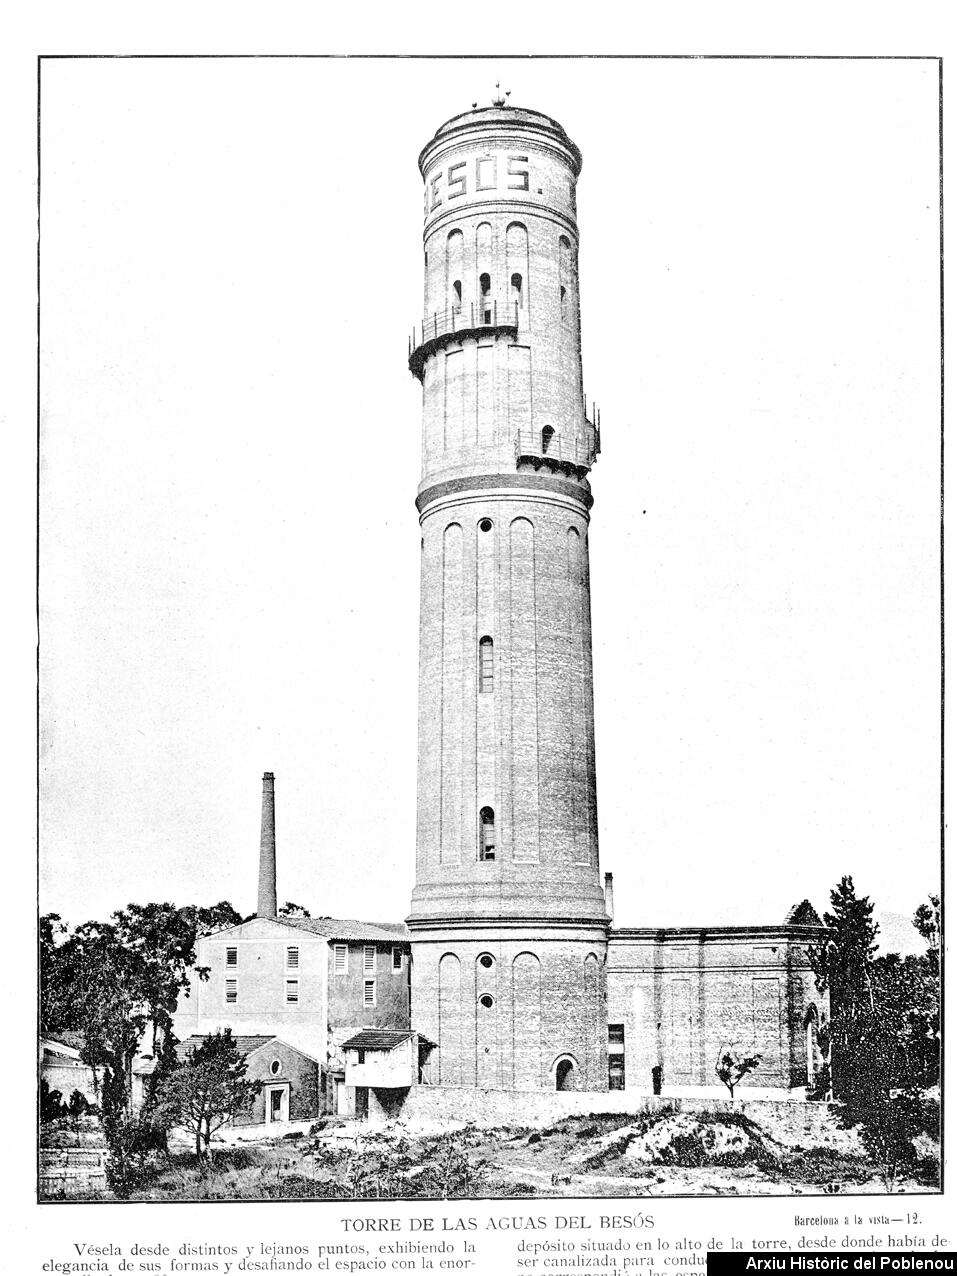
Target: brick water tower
(508,919)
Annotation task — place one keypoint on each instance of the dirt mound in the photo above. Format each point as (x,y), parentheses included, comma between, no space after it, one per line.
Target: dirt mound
(688,1139)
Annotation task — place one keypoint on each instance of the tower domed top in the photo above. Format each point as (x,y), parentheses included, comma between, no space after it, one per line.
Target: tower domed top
(499,119)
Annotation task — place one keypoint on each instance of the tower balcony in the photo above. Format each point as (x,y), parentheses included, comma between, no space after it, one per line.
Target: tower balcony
(485,318)
(545,449)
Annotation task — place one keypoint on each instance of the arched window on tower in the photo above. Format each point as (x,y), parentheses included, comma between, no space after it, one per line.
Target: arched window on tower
(456,295)
(486,833)
(485,297)
(563,302)
(486,665)
(548,434)
(517,291)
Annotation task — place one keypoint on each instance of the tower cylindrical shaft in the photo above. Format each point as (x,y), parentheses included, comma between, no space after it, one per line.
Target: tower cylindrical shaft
(508,912)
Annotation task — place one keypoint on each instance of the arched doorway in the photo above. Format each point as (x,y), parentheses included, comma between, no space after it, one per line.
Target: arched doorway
(565,1069)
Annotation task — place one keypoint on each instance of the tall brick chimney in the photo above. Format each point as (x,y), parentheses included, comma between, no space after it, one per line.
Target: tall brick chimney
(266,906)
(610,896)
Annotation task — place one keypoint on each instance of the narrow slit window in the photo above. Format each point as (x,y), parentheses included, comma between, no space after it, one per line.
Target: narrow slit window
(563,301)
(456,294)
(548,434)
(396,958)
(486,833)
(517,291)
(486,665)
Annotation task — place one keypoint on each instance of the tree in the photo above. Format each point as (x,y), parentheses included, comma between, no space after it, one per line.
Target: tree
(207,1089)
(882,1029)
(218,917)
(843,966)
(118,982)
(289,909)
(734,1065)
(52,1106)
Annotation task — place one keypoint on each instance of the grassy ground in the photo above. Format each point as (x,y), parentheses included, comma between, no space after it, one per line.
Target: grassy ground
(662,1154)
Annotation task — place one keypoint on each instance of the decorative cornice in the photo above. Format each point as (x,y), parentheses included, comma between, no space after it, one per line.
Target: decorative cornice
(579,493)
(702,934)
(490,923)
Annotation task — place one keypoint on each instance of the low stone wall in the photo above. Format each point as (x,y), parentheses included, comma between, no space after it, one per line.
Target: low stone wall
(457,1106)
(72,1164)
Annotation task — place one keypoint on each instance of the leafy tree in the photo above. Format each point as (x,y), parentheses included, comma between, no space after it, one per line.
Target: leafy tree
(289,909)
(118,982)
(843,965)
(207,1089)
(51,1103)
(208,920)
(78,1106)
(734,1065)
(927,922)
(51,934)
(883,1031)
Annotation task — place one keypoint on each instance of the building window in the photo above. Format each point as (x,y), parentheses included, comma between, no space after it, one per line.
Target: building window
(486,833)
(275,1067)
(486,961)
(396,958)
(368,992)
(517,291)
(292,992)
(360,1056)
(232,992)
(456,294)
(232,956)
(340,959)
(486,665)
(292,958)
(548,433)
(485,297)
(485,524)
(563,302)
(486,1002)
(368,959)
(616,1056)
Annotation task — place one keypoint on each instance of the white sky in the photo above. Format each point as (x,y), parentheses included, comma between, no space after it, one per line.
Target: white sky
(229,557)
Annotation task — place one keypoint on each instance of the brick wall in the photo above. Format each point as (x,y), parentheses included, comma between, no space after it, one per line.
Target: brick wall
(491,1108)
(683,996)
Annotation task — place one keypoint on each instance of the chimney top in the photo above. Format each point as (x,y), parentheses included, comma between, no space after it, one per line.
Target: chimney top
(267,851)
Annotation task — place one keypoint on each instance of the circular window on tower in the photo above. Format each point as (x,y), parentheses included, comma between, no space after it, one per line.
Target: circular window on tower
(485,524)
(275,1067)
(486,1001)
(487,960)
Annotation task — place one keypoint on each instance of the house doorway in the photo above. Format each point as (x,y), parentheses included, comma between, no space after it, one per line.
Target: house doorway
(277,1104)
